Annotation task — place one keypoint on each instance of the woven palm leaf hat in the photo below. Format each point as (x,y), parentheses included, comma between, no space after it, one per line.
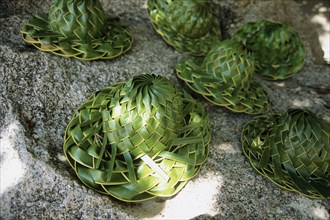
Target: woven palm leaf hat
(292,150)
(278,48)
(224,77)
(138,140)
(188,26)
(79,29)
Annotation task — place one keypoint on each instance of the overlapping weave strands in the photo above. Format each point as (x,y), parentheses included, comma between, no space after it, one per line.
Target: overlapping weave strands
(138,140)
(224,77)
(79,29)
(278,49)
(188,26)
(292,150)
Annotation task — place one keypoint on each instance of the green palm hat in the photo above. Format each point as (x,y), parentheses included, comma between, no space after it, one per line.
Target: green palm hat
(138,140)
(292,150)
(278,48)
(79,29)
(188,26)
(224,77)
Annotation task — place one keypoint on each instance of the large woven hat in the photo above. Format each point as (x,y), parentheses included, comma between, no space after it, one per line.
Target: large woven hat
(138,140)
(292,150)
(77,28)
(278,49)
(224,77)
(188,26)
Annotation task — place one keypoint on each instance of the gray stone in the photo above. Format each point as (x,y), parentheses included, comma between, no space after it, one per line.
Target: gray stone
(40,92)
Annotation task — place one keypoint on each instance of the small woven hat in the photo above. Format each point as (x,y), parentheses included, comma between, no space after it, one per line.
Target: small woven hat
(138,140)
(79,29)
(188,26)
(278,49)
(224,77)
(292,150)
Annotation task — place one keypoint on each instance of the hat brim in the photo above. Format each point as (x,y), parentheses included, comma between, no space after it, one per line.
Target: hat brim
(116,42)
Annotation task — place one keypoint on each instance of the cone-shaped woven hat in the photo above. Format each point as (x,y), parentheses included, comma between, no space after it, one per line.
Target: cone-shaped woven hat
(278,49)
(188,26)
(138,140)
(224,78)
(292,150)
(79,29)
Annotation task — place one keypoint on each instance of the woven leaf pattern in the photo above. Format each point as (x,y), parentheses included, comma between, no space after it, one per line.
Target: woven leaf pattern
(292,150)
(188,26)
(77,29)
(138,140)
(278,49)
(83,20)
(224,78)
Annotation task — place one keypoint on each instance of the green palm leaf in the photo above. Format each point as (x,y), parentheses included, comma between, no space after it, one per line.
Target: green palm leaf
(138,140)
(77,29)
(278,49)
(224,77)
(292,150)
(188,26)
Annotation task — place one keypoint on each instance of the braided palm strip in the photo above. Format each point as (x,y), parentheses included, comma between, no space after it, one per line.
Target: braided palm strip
(188,26)
(278,49)
(79,29)
(224,78)
(138,140)
(292,150)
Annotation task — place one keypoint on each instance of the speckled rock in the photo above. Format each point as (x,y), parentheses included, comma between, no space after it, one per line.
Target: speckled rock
(39,93)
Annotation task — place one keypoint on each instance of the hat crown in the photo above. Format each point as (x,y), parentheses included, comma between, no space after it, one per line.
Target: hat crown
(155,103)
(300,128)
(231,63)
(191,18)
(77,19)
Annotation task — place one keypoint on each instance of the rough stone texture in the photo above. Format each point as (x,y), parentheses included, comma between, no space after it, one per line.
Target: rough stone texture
(40,92)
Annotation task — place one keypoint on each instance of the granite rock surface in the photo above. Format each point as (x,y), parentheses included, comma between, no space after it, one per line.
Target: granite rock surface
(39,93)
